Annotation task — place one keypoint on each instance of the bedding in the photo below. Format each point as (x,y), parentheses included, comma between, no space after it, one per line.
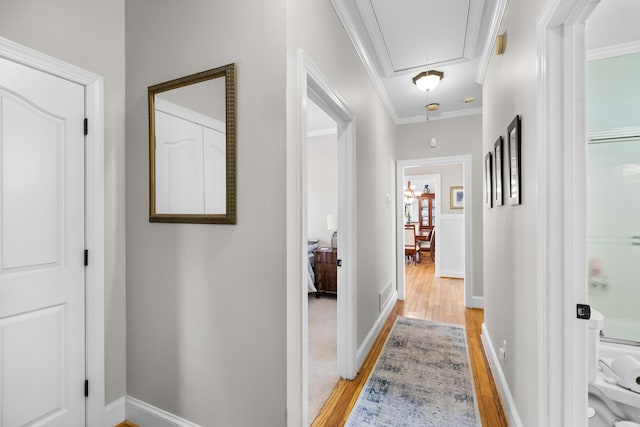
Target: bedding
(312,245)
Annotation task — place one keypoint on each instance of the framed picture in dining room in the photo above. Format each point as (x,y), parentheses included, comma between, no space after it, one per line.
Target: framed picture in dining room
(488,199)
(513,151)
(497,172)
(456,197)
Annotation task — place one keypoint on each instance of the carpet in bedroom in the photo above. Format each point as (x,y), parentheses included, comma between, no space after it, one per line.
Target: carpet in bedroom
(322,352)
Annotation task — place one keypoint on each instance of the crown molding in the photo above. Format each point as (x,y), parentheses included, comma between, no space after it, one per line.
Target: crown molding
(341,9)
(473,28)
(441,116)
(611,51)
(487,51)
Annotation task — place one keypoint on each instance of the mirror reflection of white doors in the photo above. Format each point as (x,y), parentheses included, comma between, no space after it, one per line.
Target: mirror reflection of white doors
(190,161)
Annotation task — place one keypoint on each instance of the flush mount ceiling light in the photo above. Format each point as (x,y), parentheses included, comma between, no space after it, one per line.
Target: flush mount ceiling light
(469,100)
(432,107)
(428,80)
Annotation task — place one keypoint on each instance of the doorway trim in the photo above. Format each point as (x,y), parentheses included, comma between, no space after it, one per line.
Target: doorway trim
(465,160)
(561,240)
(313,84)
(94,213)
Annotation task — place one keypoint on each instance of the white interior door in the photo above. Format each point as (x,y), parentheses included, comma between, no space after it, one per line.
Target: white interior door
(42,307)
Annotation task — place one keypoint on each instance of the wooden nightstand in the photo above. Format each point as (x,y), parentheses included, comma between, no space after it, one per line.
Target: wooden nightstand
(326,271)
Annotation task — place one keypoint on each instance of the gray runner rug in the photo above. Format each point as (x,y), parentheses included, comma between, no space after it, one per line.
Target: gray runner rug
(422,378)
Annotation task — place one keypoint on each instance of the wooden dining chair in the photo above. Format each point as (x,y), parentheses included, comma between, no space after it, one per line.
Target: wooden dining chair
(411,246)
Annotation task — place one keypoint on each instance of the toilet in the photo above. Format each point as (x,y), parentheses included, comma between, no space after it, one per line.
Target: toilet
(610,405)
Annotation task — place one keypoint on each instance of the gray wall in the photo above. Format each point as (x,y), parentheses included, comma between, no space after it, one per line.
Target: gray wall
(206,303)
(455,137)
(322,184)
(510,274)
(90,35)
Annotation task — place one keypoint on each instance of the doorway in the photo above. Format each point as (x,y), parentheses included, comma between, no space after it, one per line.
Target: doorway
(561,250)
(322,228)
(91,351)
(315,86)
(401,171)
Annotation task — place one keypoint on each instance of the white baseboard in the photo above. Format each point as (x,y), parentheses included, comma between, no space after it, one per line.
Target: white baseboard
(364,349)
(143,414)
(115,412)
(498,375)
(452,274)
(477,302)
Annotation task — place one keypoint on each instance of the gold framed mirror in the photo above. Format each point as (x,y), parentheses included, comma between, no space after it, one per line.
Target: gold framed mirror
(192,148)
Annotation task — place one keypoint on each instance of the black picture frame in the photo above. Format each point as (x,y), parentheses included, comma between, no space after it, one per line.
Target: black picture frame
(488,181)
(498,195)
(513,152)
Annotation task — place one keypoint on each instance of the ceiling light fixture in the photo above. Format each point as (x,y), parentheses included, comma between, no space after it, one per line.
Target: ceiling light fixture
(428,80)
(432,107)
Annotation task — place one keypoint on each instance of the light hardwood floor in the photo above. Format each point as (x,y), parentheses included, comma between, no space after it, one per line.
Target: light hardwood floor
(428,298)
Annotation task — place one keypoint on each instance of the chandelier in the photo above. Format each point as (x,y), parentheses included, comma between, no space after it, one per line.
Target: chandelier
(409,194)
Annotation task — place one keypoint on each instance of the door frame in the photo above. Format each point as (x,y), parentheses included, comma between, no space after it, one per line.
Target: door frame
(94,213)
(465,160)
(313,84)
(561,240)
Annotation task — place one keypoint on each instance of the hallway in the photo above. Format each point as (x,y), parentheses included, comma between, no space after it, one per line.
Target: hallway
(428,298)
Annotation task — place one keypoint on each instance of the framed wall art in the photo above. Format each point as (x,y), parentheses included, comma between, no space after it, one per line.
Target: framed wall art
(497,172)
(456,198)
(513,150)
(488,171)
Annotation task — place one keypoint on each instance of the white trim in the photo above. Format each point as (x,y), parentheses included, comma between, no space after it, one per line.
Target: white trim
(603,135)
(144,414)
(501,381)
(611,51)
(445,115)
(371,337)
(468,217)
(449,217)
(487,51)
(315,86)
(341,8)
(561,136)
(473,28)
(115,412)
(322,132)
(370,21)
(94,214)
(478,302)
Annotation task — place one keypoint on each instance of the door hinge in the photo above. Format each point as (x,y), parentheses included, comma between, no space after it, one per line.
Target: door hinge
(86,257)
(86,388)
(86,126)
(583,311)
(338,263)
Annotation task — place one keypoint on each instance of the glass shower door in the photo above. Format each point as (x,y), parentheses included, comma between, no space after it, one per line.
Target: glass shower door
(613,234)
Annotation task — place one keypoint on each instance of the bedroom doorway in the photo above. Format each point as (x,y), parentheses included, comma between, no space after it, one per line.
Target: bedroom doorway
(316,90)
(322,228)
